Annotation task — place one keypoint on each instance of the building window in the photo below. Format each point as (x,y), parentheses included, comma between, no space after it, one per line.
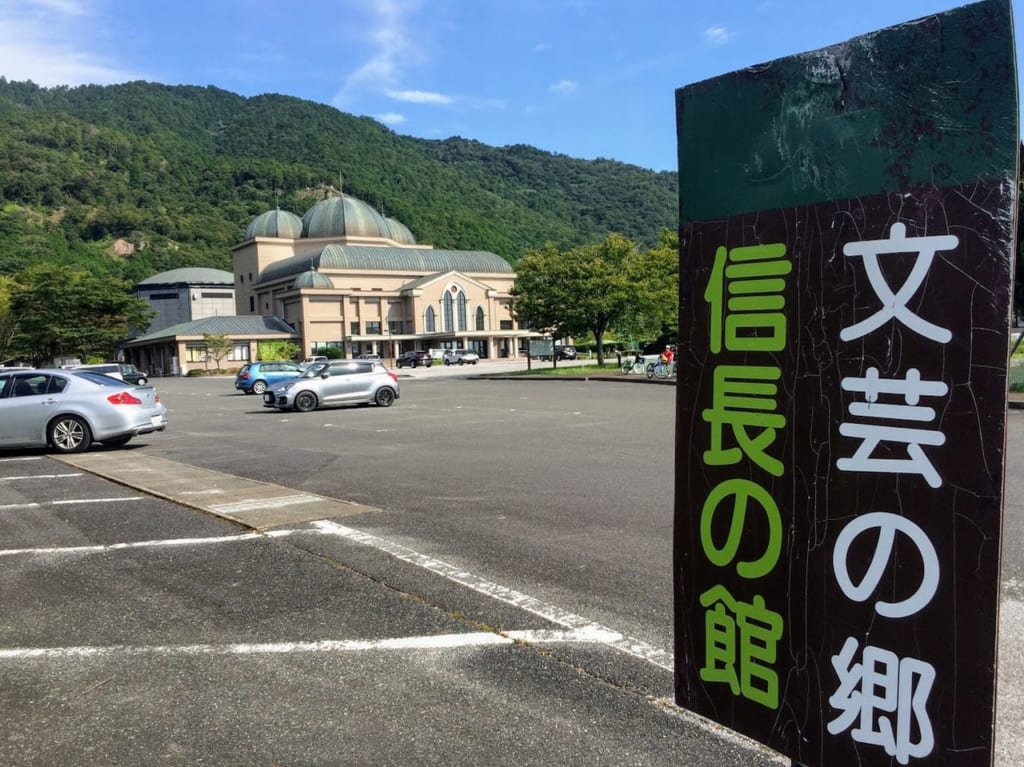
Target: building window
(217,295)
(373,327)
(239,352)
(252,303)
(353,328)
(460,303)
(195,353)
(429,320)
(163,296)
(480,318)
(505,325)
(449,313)
(395,327)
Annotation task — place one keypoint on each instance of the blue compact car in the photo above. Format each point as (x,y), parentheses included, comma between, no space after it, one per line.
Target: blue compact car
(257,377)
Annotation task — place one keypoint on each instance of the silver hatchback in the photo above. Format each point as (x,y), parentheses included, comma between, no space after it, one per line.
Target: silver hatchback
(338,382)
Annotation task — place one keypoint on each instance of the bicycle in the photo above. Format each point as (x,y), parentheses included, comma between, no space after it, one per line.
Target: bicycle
(659,369)
(636,366)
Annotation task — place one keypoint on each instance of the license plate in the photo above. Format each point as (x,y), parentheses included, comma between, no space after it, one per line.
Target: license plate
(268,398)
(156,420)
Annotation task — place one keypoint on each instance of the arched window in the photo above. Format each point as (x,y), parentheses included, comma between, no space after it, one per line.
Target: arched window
(461,305)
(429,320)
(480,318)
(449,312)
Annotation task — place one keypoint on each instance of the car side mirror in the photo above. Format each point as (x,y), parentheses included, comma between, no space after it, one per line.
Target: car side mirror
(325,375)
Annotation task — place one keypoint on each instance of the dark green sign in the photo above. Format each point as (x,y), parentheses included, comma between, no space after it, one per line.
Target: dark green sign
(847,235)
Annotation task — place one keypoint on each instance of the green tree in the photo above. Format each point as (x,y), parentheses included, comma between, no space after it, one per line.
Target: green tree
(277,350)
(63,311)
(8,323)
(218,346)
(584,289)
(655,275)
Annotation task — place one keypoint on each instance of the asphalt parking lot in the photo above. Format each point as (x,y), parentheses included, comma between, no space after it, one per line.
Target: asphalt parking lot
(477,575)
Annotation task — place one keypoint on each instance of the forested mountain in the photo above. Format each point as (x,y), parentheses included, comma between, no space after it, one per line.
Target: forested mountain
(178,172)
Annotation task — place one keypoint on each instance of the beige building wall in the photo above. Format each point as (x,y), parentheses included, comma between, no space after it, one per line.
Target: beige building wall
(376,310)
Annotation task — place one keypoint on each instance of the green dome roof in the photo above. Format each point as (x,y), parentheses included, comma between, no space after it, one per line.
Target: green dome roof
(311,278)
(343,216)
(400,232)
(275,223)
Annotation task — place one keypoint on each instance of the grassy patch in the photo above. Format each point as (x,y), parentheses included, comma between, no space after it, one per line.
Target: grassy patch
(545,369)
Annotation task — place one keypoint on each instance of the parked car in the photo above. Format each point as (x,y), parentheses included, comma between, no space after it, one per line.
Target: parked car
(414,359)
(460,357)
(370,357)
(338,382)
(565,352)
(121,370)
(68,410)
(257,377)
(311,360)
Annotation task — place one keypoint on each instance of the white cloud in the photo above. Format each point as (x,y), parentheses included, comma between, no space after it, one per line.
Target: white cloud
(717,35)
(391,118)
(46,41)
(420,97)
(394,49)
(541,47)
(564,87)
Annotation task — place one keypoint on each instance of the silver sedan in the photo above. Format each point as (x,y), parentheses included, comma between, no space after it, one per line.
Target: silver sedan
(67,410)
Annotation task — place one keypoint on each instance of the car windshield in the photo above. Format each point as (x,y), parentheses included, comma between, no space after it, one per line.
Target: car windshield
(314,370)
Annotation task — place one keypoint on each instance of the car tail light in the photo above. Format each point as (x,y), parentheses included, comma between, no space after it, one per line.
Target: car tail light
(123,398)
(243,375)
(394,377)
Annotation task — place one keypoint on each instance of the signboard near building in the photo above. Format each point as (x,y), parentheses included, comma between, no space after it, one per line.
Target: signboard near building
(847,228)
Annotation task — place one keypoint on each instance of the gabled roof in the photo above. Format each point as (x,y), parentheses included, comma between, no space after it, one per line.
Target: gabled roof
(450,276)
(246,326)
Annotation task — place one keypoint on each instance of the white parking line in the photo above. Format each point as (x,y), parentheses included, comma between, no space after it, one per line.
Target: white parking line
(76,501)
(22,458)
(154,544)
(437,642)
(628,645)
(41,476)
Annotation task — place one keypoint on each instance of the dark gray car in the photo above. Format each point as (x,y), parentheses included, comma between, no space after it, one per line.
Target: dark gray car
(339,382)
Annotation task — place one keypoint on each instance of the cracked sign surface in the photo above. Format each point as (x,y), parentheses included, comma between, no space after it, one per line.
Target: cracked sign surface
(846,251)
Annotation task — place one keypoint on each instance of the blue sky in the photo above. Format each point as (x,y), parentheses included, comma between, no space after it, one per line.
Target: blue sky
(585,78)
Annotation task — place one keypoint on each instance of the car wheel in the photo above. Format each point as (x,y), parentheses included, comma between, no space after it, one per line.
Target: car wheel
(305,401)
(385,396)
(117,441)
(447,362)
(69,434)
(258,387)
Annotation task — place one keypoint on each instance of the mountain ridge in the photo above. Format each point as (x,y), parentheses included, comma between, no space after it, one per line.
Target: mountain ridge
(177,172)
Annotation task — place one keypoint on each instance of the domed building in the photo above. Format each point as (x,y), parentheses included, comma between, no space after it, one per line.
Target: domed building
(342,275)
(345,276)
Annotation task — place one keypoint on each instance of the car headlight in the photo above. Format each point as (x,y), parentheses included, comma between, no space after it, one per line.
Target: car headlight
(283,388)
